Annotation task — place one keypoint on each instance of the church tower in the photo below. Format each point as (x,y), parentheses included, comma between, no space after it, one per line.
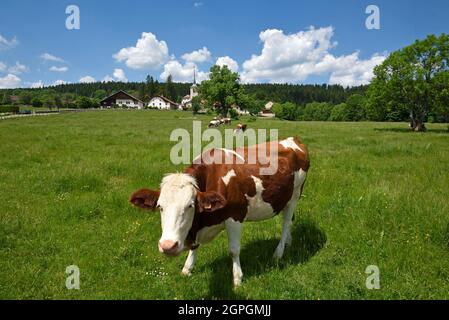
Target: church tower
(194,87)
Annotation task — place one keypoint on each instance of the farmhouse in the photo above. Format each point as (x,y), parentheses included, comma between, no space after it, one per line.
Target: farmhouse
(267,112)
(121,98)
(163,103)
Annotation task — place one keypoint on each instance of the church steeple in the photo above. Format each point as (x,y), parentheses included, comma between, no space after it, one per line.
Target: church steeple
(194,87)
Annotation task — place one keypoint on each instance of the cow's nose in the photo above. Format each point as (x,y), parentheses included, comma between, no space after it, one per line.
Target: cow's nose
(168,246)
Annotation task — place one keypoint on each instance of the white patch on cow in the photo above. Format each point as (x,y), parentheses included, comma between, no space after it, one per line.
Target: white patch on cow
(228,177)
(290,143)
(227,152)
(177,206)
(258,209)
(207,234)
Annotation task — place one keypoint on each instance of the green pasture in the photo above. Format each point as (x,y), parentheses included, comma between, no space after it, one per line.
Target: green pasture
(376,194)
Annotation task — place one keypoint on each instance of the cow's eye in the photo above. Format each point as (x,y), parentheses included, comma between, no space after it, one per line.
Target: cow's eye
(192,205)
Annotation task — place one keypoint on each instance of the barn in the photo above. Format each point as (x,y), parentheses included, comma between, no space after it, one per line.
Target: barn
(122,99)
(163,103)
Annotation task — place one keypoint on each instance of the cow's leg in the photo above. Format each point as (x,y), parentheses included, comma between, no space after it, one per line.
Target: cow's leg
(286,237)
(234,230)
(190,263)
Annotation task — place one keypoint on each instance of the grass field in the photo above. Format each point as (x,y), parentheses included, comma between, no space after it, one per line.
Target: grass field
(376,195)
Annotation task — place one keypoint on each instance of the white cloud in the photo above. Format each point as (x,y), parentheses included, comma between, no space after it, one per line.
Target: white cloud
(200,55)
(354,72)
(182,72)
(3,67)
(87,79)
(6,44)
(198,4)
(295,57)
(287,57)
(50,57)
(108,78)
(229,62)
(38,84)
(149,53)
(18,68)
(119,74)
(58,69)
(9,81)
(59,82)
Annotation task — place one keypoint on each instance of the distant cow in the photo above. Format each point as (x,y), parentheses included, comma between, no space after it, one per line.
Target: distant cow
(226,121)
(214,123)
(196,205)
(240,128)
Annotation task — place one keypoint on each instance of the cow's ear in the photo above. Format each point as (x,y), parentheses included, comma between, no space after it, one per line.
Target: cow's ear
(145,199)
(210,201)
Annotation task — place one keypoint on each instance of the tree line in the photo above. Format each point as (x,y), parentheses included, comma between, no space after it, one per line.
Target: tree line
(70,95)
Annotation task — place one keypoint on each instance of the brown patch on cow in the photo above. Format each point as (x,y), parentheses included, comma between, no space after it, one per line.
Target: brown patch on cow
(145,199)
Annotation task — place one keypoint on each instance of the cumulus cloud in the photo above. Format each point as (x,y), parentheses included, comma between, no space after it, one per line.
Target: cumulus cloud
(229,62)
(59,82)
(354,72)
(149,53)
(3,67)
(119,74)
(9,81)
(198,56)
(37,84)
(58,69)
(50,57)
(87,79)
(6,44)
(295,57)
(182,72)
(18,68)
(108,78)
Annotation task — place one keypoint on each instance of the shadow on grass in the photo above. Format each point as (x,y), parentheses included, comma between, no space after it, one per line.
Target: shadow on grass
(407,130)
(257,258)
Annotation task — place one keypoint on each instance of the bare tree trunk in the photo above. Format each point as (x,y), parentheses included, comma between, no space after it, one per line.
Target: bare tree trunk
(417,122)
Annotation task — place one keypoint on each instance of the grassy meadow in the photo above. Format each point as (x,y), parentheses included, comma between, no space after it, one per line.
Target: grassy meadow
(376,194)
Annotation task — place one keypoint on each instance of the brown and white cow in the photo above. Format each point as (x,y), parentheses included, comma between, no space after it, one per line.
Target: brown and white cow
(206,198)
(241,128)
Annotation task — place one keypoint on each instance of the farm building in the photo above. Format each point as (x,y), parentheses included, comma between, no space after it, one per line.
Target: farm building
(163,103)
(267,112)
(121,99)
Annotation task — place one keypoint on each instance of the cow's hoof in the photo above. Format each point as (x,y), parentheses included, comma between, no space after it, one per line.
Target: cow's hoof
(186,272)
(278,254)
(237,283)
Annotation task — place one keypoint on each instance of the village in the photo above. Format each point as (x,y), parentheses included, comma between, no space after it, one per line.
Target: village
(122,99)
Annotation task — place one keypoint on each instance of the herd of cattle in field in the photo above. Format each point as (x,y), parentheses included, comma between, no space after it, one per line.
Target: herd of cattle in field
(215,123)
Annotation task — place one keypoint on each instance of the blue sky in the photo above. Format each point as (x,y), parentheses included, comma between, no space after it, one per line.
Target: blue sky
(266,41)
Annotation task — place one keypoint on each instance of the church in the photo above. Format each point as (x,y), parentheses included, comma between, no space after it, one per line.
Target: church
(186,101)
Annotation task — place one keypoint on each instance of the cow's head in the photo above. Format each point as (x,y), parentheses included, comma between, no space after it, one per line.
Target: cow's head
(178,200)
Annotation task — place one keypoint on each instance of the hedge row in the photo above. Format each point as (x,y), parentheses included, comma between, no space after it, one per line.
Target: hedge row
(9,109)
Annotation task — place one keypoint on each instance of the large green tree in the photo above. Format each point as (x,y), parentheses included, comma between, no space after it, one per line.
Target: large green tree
(222,90)
(408,81)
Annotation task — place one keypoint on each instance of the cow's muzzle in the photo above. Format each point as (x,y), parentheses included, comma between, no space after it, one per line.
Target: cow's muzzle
(170,248)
